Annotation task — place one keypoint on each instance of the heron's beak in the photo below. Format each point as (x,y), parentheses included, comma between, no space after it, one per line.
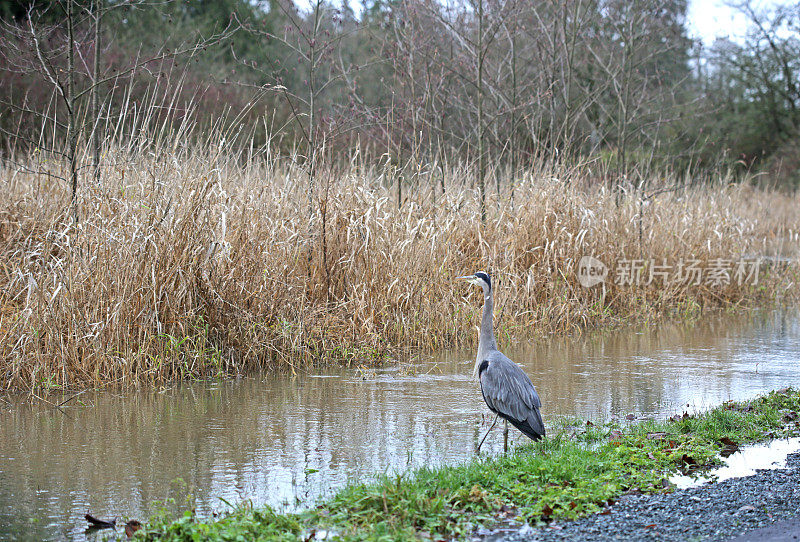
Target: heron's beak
(469,278)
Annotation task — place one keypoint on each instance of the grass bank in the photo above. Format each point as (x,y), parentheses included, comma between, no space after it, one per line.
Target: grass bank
(190,262)
(579,471)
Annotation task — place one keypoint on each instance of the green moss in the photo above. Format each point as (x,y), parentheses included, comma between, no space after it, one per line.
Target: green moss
(578,471)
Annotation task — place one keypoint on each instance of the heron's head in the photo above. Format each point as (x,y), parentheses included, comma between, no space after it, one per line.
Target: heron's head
(480,279)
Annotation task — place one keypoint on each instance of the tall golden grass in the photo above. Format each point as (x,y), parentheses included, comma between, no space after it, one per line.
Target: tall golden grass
(189,261)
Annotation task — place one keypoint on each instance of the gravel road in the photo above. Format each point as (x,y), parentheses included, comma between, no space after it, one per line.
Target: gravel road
(764,507)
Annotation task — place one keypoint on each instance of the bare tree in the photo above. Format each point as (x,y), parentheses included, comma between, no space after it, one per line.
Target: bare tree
(49,51)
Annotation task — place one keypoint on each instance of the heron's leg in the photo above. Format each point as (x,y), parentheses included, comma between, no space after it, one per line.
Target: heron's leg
(505,438)
(478,449)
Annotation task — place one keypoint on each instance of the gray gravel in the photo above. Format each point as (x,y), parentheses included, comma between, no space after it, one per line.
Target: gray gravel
(764,507)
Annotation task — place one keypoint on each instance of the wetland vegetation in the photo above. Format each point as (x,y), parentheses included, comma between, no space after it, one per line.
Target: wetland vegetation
(202,190)
(197,201)
(188,265)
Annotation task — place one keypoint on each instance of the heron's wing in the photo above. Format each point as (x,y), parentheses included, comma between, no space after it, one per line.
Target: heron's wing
(508,390)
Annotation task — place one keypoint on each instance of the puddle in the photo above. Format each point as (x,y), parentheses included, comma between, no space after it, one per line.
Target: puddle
(745,462)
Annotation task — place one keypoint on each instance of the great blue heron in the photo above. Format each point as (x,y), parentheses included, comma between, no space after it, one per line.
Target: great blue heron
(506,388)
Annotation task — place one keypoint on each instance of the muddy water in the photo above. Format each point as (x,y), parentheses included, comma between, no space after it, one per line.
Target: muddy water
(286,441)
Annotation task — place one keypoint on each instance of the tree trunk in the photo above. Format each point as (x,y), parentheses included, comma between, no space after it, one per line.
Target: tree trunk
(481,150)
(98,14)
(72,135)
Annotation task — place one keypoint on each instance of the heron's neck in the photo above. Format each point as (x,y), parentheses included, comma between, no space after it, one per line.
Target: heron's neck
(486,342)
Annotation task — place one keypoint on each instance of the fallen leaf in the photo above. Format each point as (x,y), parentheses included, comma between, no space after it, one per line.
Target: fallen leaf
(476,493)
(131,527)
(547,511)
(652,525)
(630,417)
(589,423)
(729,447)
(506,509)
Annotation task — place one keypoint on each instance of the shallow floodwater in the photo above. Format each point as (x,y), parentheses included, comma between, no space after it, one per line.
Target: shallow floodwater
(286,441)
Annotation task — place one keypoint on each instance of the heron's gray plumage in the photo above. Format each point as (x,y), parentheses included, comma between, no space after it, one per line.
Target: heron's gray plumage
(506,388)
(508,391)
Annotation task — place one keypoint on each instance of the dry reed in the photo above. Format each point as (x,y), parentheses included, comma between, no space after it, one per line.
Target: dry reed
(189,262)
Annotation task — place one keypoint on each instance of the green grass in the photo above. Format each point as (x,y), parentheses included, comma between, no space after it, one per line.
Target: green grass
(577,472)
(245,524)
